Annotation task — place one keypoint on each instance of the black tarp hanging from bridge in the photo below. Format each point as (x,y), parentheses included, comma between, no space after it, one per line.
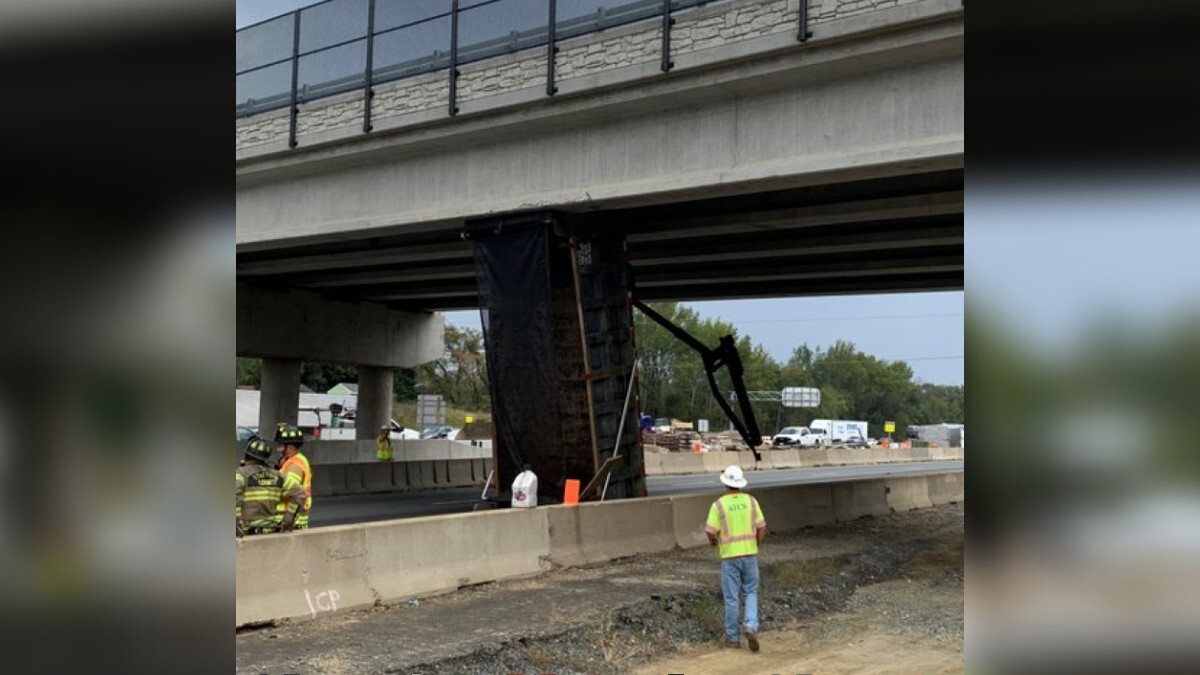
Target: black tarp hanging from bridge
(513,266)
(558,333)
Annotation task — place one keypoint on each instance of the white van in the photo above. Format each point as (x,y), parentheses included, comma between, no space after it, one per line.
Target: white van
(842,431)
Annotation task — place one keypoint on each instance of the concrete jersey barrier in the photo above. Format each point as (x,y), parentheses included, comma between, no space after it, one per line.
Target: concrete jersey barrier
(305,574)
(363,452)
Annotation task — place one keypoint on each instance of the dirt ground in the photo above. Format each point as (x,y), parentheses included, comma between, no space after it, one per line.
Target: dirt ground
(878,595)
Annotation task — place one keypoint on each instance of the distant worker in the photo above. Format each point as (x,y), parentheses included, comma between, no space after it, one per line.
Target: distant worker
(383,445)
(258,492)
(736,526)
(295,470)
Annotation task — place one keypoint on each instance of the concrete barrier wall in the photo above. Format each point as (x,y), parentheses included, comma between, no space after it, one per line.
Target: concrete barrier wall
(285,575)
(785,459)
(336,480)
(303,574)
(682,462)
(356,452)
(599,531)
(441,463)
(813,456)
(947,487)
(715,462)
(652,461)
(905,495)
(421,556)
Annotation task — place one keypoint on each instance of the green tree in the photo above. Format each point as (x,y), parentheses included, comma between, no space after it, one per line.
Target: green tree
(249,372)
(461,374)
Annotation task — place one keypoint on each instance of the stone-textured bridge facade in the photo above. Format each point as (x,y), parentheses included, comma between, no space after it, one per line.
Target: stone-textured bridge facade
(597,60)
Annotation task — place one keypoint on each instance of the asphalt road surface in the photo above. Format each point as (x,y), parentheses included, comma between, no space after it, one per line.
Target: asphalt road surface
(366,508)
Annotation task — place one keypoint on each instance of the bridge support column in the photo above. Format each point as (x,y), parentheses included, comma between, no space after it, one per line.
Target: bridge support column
(374,401)
(558,332)
(280,399)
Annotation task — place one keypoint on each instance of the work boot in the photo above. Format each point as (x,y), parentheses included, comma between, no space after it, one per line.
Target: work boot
(733,644)
(752,639)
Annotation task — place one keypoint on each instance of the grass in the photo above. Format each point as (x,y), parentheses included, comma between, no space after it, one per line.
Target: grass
(706,610)
(796,574)
(406,414)
(948,556)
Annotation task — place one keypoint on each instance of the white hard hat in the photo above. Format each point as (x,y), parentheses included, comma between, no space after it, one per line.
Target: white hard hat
(733,477)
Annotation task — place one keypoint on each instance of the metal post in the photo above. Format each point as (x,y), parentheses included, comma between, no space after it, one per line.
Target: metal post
(804,33)
(551,48)
(368,84)
(621,428)
(295,80)
(454,58)
(667,63)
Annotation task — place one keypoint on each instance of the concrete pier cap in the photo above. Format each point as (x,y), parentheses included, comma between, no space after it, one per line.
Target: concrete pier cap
(299,324)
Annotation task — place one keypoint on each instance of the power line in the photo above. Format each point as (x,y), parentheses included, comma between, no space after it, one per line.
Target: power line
(911,358)
(847,318)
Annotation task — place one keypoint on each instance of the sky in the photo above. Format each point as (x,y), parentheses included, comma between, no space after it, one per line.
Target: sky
(253,11)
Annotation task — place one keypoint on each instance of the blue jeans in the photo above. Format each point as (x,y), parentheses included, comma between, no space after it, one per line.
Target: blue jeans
(740,574)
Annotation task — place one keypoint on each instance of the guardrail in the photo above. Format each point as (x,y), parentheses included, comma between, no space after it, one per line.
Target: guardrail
(339,46)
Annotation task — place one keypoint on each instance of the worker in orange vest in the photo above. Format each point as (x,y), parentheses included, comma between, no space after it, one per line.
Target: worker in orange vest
(295,470)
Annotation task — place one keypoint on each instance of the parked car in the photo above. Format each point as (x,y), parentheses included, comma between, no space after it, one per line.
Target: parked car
(434,432)
(244,434)
(855,440)
(797,436)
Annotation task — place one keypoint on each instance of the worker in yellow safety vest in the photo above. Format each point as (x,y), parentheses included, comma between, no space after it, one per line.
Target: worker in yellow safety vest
(383,445)
(258,489)
(295,470)
(736,526)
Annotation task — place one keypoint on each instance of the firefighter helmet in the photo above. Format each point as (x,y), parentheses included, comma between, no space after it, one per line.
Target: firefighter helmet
(288,434)
(260,449)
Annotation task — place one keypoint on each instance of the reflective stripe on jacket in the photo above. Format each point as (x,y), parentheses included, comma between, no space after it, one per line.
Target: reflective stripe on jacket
(295,469)
(257,491)
(735,518)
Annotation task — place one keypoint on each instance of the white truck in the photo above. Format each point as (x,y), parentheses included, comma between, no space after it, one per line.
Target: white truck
(797,437)
(842,431)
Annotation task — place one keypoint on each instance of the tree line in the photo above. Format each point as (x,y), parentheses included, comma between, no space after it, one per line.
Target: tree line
(672,383)
(853,385)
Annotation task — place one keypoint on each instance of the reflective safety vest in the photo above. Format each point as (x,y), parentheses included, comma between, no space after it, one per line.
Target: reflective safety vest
(383,449)
(734,518)
(296,468)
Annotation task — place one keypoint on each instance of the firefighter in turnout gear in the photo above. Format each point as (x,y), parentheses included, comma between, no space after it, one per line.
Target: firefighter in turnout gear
(296,471)
(258,489)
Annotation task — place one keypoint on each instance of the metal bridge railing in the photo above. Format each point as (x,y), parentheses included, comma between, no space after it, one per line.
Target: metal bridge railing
(338,46)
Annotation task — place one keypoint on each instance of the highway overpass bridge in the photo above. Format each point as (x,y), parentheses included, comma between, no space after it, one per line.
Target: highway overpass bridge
(392,164)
